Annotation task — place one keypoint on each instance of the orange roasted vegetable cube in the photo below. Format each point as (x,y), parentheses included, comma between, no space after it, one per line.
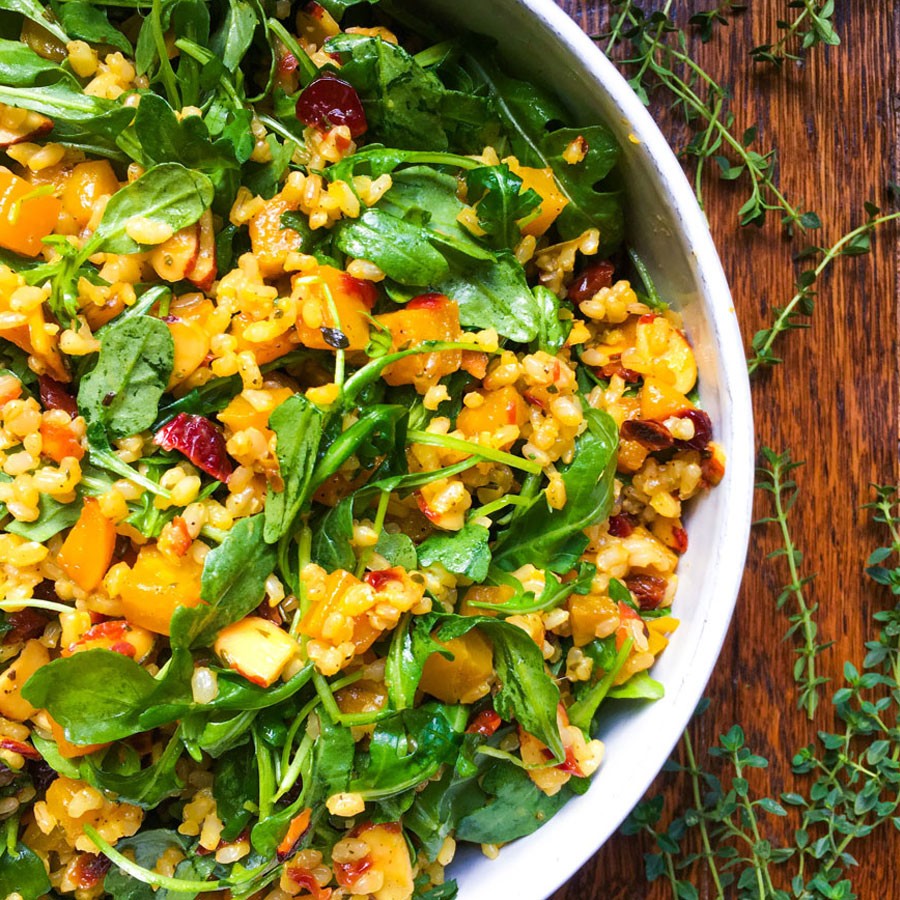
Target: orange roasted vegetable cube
(553,201)
(116,635)
(12,704)
(263,351)
(191,347)
(27,215)
(88,549)
(431,317)
(315,623)
(498,409)
(58,441)
(241,413)
(591,616)
(156,586)
(84,188)
(256,648)
(385,852)
(660,400)
(465,678)
(270,240)
(66,749)
(352,298)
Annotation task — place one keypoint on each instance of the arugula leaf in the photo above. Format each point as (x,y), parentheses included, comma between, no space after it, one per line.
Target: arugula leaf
(493,294)
(554,539)
(464,552)
(22,872)
(337,8)
(123,390)
(21,67)
(495,192)
(639,687)
(168,193)
(35,11)
(552,330)
(54,517)
(297,424)
(165,139)
(527,693)
(233,38)
(232,585)
(400,249)
(449,890)
(97,696)
(397,548)
(530,116)
(236,784)
(514,807)
(86,22)
(331,538)
(411,645)
(147,848)
(401,99)
(408,748)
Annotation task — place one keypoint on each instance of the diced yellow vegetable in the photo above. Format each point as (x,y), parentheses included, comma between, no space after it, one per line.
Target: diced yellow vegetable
(591,616)
(388,855)
(12,704)
(465,678)
(88,549)
(553,202)
(256,648)
(663,352)
(660,400)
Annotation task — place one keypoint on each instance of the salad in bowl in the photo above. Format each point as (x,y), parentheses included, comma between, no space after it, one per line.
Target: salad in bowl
(344,443)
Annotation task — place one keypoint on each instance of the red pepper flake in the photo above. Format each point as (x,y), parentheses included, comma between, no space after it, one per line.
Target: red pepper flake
(377,580)
(428,301)
(296,830)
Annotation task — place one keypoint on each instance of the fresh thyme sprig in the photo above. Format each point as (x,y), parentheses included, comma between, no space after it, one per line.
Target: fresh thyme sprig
(788,317)
(811,23)
(774,477)
(848,782)
(652,49)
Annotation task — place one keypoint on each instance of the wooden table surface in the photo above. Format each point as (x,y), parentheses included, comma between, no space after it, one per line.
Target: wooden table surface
(834,401)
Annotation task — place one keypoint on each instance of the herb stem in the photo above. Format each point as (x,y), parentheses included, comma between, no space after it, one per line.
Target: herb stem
(428,439)
(708,853)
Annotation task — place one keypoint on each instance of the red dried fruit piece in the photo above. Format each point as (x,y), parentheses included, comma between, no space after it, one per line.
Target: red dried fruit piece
(679,540)
(652,435)
(616,368)
(90,870)
(25,624)
(621,525)
(55,396)
(328,101)
(485,723)
(648,590)
(200,441)
(25,750)
(702,429)
(377,580)
(591,280)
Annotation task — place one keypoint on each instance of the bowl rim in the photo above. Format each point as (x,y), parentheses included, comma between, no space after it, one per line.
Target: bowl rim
(536,878)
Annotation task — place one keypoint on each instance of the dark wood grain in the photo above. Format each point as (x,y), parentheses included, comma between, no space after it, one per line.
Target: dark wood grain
(834,402)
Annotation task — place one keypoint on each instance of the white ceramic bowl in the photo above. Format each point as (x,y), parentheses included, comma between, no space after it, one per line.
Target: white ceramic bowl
(669,231)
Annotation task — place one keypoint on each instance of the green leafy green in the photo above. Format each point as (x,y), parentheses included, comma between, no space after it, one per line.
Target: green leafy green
(297,424)
(400,249)
(554,538)
(514,807)
(36,12)
(639,687)
(464,552)
(397,548)
(168,194)
(86,22)
(500,203)
(54,517)
(232,585)
(123,390)
(552,330)
(22,872)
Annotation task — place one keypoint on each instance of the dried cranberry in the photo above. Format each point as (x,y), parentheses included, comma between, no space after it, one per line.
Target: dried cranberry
(702,429)
(41,773)
(621,525)
(616,368)
(25,750)
(652,435)
(328,101)
(591,280)
(90,870)
(55,396)
(648,590)
(287,63)
(25,624)
(200,441)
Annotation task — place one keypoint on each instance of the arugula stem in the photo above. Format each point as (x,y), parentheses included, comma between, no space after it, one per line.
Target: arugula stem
(582,712)
(428,439)
(305,66)
(501,502)
(378,525)
(326,696)
(266,777)
(34,603)
(167,73)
